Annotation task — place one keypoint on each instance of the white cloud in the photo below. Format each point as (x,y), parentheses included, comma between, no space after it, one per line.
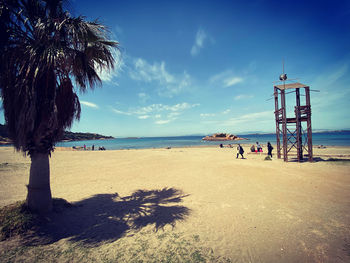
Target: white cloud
(204,115)
(232,81)
(89,104)
(173,115)
(181,106)
(334,90)
(121,112)
(161,107)
(243,96)
(251,118)
(226,79)
(162,121)
(329,78)
(144,117)
(168,84)
(147,72)
(143,97)
(199,42)
(155,111)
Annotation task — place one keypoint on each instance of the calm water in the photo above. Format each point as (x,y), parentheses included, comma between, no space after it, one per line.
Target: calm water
(325,138)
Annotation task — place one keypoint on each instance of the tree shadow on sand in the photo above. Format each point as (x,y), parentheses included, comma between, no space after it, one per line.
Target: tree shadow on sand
(108,217)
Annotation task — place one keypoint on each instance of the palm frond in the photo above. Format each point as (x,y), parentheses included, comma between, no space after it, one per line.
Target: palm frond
(44,50)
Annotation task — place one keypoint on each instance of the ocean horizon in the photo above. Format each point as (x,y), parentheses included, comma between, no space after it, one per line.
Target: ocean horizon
(341,138)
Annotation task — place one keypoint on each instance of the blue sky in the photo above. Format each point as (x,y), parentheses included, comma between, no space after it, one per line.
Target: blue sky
(199,67)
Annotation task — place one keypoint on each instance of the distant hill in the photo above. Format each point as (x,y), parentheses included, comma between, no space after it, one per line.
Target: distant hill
(67,136)
(82,136)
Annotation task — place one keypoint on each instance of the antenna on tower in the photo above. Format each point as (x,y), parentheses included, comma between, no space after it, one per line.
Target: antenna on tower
(283,76)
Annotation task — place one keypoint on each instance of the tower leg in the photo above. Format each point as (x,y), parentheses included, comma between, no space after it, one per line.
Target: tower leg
(298,127)
(284,126)
(277,116)
(309,130)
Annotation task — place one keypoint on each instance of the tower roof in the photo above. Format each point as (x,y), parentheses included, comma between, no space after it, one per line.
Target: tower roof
(291,86)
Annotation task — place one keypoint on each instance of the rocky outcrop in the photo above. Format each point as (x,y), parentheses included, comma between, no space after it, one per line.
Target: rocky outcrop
(222,137)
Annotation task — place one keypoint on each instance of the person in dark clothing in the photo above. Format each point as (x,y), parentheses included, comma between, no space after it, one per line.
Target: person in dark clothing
(252,149)
(240,151)
(269,149)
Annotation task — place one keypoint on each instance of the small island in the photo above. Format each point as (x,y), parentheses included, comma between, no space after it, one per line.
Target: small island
(222,137)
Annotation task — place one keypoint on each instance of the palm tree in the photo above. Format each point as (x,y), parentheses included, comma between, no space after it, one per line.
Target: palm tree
(43,51)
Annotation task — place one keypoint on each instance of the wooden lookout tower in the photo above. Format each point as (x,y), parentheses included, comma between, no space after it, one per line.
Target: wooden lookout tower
(291,129)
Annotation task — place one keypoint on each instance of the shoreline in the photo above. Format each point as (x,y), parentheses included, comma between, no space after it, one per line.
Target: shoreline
(234,145)
(336,152)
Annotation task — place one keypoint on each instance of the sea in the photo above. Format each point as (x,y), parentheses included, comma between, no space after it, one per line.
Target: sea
(340,138)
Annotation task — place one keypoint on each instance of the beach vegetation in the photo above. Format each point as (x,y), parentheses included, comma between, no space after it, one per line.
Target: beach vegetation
(16,219)
(48,56)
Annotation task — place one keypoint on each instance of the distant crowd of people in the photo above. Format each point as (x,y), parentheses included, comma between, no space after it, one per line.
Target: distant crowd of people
(254,149)
(100,148)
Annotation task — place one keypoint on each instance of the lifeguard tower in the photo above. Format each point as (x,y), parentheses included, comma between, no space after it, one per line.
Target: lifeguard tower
(290,128)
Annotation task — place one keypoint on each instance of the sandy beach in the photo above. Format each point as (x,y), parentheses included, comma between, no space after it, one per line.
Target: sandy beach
(200,204)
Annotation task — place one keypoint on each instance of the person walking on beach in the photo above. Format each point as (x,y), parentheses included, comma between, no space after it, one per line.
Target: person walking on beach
(240,151)
(93,147)
(269,149)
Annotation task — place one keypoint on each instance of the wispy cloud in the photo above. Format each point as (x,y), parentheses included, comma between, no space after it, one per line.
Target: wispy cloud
(199,42)
(226,79)
(334,89)
(250,120)
(89,104)
(167,84)
(154,108)
(232,81)
(253,118)
(143,97)
(327,79)
(205,115)
(243,96)
(162,121)
(121,112)
(161,113)
(143,117)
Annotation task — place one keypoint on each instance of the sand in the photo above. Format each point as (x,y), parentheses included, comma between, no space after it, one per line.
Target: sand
(198,204)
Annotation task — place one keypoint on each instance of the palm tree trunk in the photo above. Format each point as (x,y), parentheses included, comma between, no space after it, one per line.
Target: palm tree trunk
(39,197)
